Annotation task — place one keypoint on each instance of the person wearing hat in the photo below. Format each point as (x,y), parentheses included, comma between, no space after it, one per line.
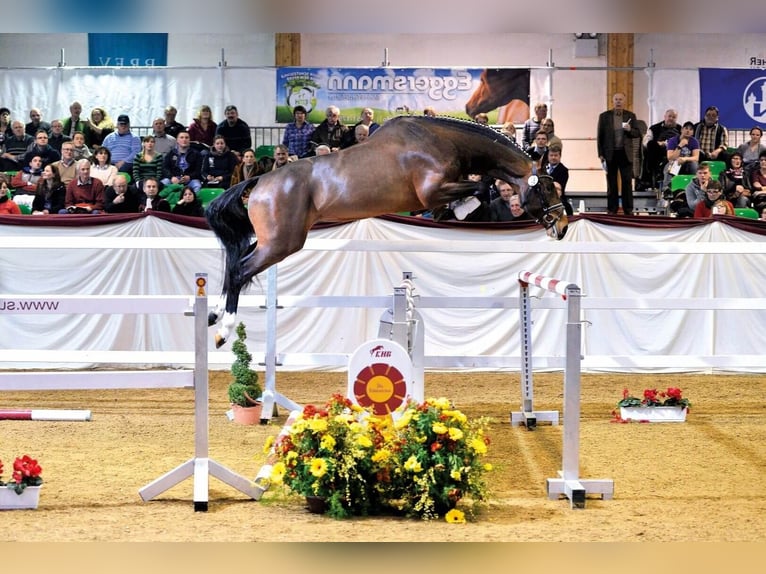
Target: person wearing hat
(123,145)
(298,133)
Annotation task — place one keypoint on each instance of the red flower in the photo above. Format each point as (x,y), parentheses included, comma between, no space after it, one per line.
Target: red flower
(436,445)
(625,393)
(674,393)
(27,466)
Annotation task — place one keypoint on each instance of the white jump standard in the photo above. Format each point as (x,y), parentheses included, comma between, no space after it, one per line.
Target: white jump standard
(569,482)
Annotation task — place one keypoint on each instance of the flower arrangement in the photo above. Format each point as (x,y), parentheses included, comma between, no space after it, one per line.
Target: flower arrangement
(654,398)
(26,472)
(421,465)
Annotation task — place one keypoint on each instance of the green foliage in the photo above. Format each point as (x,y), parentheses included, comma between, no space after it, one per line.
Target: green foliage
(245,380)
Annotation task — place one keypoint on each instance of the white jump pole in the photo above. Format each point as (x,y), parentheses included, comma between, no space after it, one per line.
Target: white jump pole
(44,415)
(201,466)
(569,482)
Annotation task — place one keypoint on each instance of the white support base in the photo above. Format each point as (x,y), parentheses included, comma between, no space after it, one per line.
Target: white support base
(577,489)
(530,419)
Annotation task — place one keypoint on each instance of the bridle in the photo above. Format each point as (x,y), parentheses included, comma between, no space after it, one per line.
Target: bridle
(548,218)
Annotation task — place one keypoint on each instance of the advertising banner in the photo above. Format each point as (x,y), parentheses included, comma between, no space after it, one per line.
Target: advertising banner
(132,50)
(502,93)
(739,95)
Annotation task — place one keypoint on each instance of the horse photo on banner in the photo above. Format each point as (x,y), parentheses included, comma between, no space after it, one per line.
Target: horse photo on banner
(739,95)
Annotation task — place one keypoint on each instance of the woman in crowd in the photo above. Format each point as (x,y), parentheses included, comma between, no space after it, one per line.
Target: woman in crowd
(751,151)
(736,187)
(246,169)
(50,194)
(147,163)
(218,164)
(758,183)
(101,125)
(189,204)
(102,167)
(7,205)
(202,129)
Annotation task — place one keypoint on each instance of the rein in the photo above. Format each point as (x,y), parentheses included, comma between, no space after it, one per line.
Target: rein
(547,220)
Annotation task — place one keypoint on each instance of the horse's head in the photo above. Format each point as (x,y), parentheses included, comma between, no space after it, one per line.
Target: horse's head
(541,201)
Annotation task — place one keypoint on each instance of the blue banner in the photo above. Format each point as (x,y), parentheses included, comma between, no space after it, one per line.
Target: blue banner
(502,93)
(131,50)
(739,95)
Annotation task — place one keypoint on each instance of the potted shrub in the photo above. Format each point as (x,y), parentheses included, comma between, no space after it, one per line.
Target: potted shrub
(23,490)
(654,406)
(244,390)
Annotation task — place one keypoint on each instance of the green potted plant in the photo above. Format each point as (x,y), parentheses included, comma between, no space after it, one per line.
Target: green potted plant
(244,390)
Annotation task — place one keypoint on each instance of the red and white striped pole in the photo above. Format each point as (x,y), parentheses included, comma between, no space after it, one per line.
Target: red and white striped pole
(43,415)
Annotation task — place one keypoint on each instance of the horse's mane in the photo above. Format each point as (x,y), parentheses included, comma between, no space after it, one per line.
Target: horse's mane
(468,126)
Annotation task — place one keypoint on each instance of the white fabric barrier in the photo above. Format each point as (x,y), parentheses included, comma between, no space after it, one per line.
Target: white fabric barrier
(715,262)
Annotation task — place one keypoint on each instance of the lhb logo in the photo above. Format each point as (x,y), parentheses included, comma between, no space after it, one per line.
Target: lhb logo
(754,99)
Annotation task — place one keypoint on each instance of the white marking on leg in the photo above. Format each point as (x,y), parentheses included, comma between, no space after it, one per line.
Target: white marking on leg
(219,307)
(227,325)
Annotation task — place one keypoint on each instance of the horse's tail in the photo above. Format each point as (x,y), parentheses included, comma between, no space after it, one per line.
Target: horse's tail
(228,218)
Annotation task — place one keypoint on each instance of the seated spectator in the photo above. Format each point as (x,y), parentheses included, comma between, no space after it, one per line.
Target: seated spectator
(5,124)
(539,151)
(751,151)
(189,204)
(532,125)
(7,205)
(298,134)
(683,155)
(147,163)
(758,183)
(331,131)
(218,164)
(36,123)
(548,127)
(149,200)
(123,145)
(163,141)
(57,137)
(102,167)
(482,119)
(50,194)
(712,136)
(509,130)
(235,131)
(360,134)
(685,204)
(15,148)
(25,180)
(66,166)
(203,127)
(245,169)
(366,119)
(100,125)
(507,207)
(323,150)
(121,197)
(172,127)
(656,152)
(429,112)
(714,203)
(75,124)
(735,182)
(84,194)
(560,174)
(281,157)
(183,165)
(81,151)
(41,147)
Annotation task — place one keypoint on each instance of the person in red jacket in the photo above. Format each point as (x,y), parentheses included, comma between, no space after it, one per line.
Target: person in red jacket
(84,194)
(7,205)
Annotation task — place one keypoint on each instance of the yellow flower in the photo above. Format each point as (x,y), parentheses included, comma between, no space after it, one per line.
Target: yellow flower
(278,472)
(412,465)
(455,475)
(363,441)
(403,421)
(317,425)
(441,403)
(291,455)
(455,516)
(356,427)
(478,446)
(318,467)
(381,455)
(327,442)
(439,428)
(488,467)
(267,444)
(455,433)
(343,418)
(298,426)
(456,416)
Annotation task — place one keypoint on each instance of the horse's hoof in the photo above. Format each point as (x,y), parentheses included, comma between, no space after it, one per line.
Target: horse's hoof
(219,341)
(212,318)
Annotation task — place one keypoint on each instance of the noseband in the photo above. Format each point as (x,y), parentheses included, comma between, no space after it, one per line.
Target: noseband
(548,218)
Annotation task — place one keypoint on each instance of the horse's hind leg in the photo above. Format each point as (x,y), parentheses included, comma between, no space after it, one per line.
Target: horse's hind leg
(217,313)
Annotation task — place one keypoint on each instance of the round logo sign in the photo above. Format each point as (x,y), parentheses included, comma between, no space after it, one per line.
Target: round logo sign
(754,99)
(380,376)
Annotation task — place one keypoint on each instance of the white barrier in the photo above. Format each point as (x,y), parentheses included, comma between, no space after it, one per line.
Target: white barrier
(569,483)
(200,466)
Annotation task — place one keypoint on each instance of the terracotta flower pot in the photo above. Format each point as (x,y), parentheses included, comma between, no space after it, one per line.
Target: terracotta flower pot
(247,415)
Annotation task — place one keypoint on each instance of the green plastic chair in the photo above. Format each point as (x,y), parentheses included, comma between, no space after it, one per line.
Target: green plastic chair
(264,151)
(748,212)
(26,210)
(208,194)
(680,182)
(716,167)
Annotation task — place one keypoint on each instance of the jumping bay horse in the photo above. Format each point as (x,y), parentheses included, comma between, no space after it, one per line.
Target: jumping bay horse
(410,163)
